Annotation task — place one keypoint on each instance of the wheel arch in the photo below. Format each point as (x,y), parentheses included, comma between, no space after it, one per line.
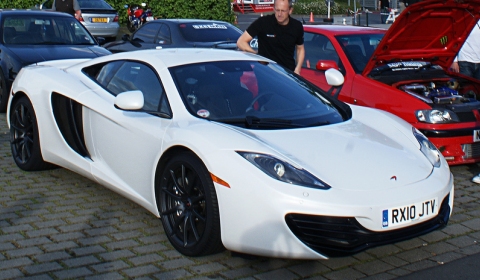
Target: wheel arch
(167,155)
(15,97)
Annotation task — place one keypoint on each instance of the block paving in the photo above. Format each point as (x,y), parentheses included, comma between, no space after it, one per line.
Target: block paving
(58,225)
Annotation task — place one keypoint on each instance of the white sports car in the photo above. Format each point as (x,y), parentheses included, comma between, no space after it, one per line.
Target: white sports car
(232,151)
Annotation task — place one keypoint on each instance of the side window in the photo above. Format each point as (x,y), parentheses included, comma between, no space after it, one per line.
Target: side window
(147,33)
(47,5)
(164,36)
(355,51)
(318,47)
(121,76)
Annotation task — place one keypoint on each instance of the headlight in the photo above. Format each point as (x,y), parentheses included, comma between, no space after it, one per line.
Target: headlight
(436,116)
(427,148)
(284,171)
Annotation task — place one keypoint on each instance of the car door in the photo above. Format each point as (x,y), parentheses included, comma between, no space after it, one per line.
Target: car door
(128,144)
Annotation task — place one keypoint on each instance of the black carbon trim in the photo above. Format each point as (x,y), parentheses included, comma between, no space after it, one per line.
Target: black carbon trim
(343,236)
(69,120)
(449,133)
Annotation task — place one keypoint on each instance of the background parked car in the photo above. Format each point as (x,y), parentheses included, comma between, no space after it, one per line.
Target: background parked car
(98,16)
(30,36)
(179,33)
(404,70)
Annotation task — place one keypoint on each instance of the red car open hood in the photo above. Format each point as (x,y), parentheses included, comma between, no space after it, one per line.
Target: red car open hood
(431,30)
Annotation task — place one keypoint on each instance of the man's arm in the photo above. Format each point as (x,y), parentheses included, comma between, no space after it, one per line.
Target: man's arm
(78,14)
(76,7)
(243,43)
(300,58)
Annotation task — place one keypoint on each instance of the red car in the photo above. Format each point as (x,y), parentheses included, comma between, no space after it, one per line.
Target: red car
(404,70)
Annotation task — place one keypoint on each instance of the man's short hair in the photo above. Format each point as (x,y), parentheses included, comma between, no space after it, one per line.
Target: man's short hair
(290,3)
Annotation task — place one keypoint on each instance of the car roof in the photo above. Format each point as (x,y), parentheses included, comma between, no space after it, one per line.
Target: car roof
(32,12)
(180,56)
(335,30)
(182,20)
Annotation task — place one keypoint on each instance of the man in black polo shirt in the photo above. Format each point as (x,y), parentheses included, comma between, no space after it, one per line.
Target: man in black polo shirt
(278,35)
(67,6)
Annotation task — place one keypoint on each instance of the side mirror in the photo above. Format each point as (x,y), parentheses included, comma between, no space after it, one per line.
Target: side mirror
(126,37)
(334,77)
(324,65)
(101,40)
(129,100)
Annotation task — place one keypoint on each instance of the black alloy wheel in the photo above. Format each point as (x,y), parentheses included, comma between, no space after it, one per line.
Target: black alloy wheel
(24,139)
(188,206)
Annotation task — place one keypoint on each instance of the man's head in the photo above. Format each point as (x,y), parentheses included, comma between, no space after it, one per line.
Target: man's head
(282,9)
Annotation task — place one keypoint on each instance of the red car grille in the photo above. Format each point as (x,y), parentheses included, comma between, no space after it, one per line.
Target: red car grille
(471,150)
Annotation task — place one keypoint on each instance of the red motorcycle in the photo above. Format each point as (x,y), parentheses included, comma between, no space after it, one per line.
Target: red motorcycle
(138,15)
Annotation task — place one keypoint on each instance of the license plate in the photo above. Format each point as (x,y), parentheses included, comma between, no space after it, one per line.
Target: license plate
(476,135)
(149,18)
(399,216)
(99,19)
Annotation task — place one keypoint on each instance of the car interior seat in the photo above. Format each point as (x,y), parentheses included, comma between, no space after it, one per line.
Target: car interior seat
(35,31)
(9,33)
(356,56)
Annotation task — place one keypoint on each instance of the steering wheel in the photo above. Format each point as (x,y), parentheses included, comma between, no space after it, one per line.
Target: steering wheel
(252,104)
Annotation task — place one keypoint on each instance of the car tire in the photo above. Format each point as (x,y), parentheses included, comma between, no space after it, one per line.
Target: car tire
(24,139)
(189,214)
(3,93)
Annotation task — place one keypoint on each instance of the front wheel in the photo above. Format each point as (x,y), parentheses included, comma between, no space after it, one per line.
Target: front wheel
(188,206)
(24,139)
(131,27)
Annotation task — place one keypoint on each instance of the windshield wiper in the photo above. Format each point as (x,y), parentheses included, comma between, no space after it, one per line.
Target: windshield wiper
(51,43)
(251,121)
(218,44)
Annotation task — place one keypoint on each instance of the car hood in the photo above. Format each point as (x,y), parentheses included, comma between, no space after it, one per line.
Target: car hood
(29,54)
(431,30)
(371,152)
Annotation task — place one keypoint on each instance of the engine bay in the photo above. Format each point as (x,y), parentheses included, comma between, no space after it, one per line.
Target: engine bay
(443,91)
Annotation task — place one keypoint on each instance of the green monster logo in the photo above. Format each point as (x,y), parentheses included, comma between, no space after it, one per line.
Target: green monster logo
(443,40)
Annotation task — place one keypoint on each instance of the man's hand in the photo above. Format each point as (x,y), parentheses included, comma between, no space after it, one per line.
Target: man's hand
(300,58)
(78,14)
(243,43)
(455,67)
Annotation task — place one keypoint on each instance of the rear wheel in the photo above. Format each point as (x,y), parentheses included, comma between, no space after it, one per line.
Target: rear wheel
(24,139)
(188,206)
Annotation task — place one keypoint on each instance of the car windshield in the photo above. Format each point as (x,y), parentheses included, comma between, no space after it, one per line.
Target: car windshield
(44,30)
(209,32)
(359,48)
(94,4)
(255,95)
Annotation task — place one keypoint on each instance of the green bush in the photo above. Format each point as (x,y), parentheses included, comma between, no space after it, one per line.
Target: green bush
(319,7)
(199,9)
(19,4)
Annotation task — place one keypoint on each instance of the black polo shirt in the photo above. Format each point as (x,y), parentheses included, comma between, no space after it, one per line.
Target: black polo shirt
(277,42)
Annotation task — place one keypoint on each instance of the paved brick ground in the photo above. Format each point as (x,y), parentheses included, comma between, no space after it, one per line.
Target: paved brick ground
(58,225)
